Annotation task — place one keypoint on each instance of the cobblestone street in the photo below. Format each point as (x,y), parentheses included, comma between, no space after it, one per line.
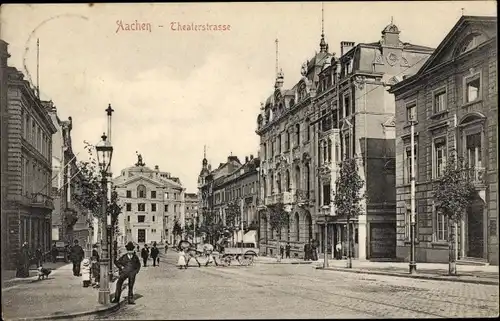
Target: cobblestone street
(297,291)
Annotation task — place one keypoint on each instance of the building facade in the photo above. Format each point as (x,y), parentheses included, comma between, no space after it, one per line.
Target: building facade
(70,220)
(29,152)
(151,202)
(454,101)
(234,185)
(339,109)
(4,55)
(191,207)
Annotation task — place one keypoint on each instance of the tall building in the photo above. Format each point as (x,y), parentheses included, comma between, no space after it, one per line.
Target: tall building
(338,110)
(231,184)
(70,220)
(28,204)
(4,55)
(454,100)
(191,207)
(152,201)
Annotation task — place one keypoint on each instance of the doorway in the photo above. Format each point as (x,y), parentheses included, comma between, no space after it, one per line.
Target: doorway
(475,233)
(141,236)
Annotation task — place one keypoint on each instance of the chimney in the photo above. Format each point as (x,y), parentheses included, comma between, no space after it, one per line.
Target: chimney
(345,46)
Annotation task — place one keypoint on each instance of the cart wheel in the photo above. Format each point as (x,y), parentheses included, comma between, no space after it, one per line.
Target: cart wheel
(246,259)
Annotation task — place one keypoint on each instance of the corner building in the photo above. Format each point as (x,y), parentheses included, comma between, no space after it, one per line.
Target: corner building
(339,109)
(152,201)
(454,100)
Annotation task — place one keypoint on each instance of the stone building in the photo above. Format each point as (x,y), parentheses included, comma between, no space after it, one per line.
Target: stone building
(4,55)
(28,204)
(152,201)
(232,184)
(191,207)
(339,109)
(453,99)
(70,220)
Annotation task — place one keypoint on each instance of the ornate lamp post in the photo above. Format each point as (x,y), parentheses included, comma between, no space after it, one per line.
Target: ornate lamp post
(104,155)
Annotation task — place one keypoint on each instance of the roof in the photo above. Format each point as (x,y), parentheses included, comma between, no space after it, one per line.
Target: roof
(445,43)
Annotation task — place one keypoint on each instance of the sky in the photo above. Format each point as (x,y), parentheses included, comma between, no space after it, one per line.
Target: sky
(175,91)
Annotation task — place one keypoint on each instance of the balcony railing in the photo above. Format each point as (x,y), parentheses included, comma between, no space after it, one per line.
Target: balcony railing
(284,198)
(477,175)
(304,196)
(41,200)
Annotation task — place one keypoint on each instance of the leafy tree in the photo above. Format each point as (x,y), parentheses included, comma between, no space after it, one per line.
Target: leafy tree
(177,229)
(278,219)
(233,215)
(347,198)
(91,195)
(453,193)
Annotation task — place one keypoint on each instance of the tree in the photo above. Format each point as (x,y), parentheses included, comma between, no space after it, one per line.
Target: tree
(177,229)
(233,214)
(278,218)
(453,194)
(347,196)
(91,193)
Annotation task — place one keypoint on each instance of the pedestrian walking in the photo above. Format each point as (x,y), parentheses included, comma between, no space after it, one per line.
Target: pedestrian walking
(307,251)
(38,257)
(145,255)
(181,262)
(166,247)
(76,257)
(314,250)
(23,261)
(338,249)
(129,265)
(86,273)
(54,252)
(95,271)
(155,254)
(287,250)
(282,251)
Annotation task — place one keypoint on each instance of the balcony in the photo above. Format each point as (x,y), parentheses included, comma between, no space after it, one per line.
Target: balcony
(41,201)
(477,176)
(284,198)
(304,197)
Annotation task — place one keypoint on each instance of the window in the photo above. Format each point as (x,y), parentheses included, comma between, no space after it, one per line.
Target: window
(153,207)
(141,207)
(441,226)
(153,194)
(472,88)
(297,133)
(440,101)
(407,164)
(153,218)
(264,148)
(129,207)
(473,149)
(166,195)
(408,221)
(279,144)
(128,218)
(129,194)
(439,157)
(141,218)
(347,104)
(272,148)
(326,194)
(308,133)
(347,146)
(278,182)
(411,111)
(153,230)
(141,191)
(287,140)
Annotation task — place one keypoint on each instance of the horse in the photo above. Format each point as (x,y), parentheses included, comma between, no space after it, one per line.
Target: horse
(190,250)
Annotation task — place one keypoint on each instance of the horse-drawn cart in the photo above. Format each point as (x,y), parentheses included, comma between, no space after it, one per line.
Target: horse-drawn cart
(245,256)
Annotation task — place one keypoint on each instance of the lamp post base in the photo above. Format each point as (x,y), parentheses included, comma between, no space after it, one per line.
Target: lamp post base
(413,267)
(104,296)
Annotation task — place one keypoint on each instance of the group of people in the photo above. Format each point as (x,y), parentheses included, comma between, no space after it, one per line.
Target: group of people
(285,250)
(154,253)
(26,258)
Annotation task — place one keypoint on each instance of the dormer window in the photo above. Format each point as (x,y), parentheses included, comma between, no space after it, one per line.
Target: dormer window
(471,42)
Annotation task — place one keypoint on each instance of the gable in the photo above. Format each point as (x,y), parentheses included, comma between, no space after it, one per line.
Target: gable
(149,180)
(460,34)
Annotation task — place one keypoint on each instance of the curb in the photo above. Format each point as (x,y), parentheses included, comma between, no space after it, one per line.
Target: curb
(113,307)
(417,276)
(284,263)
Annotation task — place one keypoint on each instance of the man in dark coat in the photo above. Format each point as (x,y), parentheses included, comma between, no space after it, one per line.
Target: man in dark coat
(38,257)
(154,254)
(145,255)
(23,262)
(314,250)
(54,252)
(76,256)
(307,252)
(129,265)
(287,250)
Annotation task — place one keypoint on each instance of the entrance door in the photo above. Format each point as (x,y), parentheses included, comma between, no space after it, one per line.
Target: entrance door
(141,236)
(382,240)
(475,234)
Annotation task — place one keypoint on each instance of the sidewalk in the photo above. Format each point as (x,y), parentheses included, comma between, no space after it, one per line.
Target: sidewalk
(60,296)
(273,260)
(429,271)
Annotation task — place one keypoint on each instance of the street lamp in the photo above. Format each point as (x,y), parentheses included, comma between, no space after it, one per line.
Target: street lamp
(104,155)
(413,264)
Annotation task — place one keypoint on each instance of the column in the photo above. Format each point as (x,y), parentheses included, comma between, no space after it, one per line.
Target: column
(362,237)
(462,237)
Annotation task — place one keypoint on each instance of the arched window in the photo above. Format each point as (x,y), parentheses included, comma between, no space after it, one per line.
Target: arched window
(308,132)
(265,186)
(287,140)
(271,178)
(325,152)
(141,191)
(297,177)
(278,182)
(279,143)
(308,222)
(308,179)
(297,227)
(329,150)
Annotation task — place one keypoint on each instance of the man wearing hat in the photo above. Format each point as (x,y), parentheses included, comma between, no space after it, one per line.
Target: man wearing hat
(129,265)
